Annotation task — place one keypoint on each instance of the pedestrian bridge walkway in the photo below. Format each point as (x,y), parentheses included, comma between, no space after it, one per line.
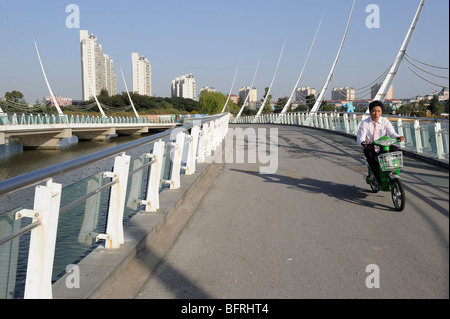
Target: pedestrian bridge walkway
(309,230)
(289,216)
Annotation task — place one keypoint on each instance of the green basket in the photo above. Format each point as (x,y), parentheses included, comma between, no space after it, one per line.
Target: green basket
(391,161)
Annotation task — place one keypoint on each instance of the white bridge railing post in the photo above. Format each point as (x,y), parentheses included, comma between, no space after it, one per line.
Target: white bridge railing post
(114,227)
(202,144)
(193,145)
(419,148)
(47,199)
(176,165)
(152,199)
(439,141)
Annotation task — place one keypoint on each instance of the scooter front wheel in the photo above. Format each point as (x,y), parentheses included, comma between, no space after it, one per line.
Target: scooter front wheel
(398,194)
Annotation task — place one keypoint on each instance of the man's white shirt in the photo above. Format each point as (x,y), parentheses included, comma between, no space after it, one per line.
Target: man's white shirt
(366,130)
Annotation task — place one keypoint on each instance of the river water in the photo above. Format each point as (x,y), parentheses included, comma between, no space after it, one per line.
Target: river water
(14,161)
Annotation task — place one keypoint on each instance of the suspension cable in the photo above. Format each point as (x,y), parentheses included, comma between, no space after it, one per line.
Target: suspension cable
(430,65)
(439,76)
(426,79)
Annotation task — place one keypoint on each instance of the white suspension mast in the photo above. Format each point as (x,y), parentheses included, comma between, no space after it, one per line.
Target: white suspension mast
(251,86)
(382,92)
(273,79)
(95,98)
(289,101)
(126,88)
(229,94)
(60,112)
(325,87)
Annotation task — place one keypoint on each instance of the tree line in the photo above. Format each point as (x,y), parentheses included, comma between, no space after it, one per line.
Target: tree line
(213,103)
(147,104)
(423,108)
(144,104)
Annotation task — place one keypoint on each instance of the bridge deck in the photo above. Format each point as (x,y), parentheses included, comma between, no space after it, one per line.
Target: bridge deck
(309,230)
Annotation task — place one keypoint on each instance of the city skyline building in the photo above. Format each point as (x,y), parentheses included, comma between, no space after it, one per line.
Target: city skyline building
(303,92)
(207,89)
(141,74)
(184,86)
(97,68)
(375,88)
(343,93)
(252,99)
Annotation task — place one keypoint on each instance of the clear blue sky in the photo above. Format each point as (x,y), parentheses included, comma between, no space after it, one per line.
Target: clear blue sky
(210,38)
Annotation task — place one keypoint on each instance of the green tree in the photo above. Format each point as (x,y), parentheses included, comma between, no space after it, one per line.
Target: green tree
(405,109)
(15,96)
(326,107)
(310,101)
(302,108)
(240,101)
(267,106)
(281,103)
(211,102)
(249,112)
(435,106)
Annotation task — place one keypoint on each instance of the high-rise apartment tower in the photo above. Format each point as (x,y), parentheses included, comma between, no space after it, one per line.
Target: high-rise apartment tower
(97,68)
(184,86)
(142,75)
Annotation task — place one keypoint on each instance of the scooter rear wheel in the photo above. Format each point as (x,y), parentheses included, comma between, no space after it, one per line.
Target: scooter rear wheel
(372,181)
(374,185)
(398,195)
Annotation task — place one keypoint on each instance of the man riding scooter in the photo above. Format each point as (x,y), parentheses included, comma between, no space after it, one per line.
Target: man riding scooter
(371,130)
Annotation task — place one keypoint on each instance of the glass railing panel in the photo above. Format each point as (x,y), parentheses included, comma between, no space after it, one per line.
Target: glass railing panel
(79,226)
(187,140)
(13,257)
(428,136)
(445,140)
(166,166)
(137,185)
(408,131)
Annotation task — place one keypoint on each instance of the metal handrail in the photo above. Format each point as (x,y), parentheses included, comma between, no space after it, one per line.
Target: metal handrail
(83,198)
(142,167)
(20,232)
(23,181)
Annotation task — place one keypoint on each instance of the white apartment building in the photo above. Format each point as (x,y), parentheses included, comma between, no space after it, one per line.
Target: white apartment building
(375,88)
(252,99)
(303,92)
(184,86)
(97,67)
(207,89)
(344,93)
(142,75)
(443,94)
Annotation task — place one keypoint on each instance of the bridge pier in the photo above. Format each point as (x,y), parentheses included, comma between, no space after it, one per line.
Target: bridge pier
(50,140)
(132,132)
(95,135)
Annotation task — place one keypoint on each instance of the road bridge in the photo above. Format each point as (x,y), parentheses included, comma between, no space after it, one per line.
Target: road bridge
(46,131)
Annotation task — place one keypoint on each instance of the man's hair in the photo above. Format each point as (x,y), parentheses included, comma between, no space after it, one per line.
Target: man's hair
(376,103)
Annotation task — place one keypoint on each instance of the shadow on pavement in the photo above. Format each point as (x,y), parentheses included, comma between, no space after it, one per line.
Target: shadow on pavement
(347,193)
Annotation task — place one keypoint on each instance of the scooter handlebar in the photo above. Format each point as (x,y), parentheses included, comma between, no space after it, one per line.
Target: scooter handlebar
(365,143)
